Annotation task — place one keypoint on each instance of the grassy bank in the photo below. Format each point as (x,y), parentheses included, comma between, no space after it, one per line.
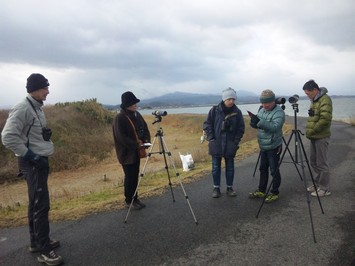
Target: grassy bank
(86,177)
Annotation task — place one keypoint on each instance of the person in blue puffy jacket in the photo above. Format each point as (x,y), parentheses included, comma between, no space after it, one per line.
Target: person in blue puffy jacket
(269,122)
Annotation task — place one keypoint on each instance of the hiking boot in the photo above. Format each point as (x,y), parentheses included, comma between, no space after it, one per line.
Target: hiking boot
(311,189)
(256,194)
(50,259)
(33,248)
(216,192)
(321,193)
(271,198)
(231,192)
(137,201)
(135,205)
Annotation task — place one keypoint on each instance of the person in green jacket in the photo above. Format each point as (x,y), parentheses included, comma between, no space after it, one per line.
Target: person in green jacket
(318,132)
(269,122)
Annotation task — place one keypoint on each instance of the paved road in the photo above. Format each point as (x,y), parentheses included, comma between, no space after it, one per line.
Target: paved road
(228,232)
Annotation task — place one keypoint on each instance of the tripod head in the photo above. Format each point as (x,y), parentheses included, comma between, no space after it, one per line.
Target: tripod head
(293,101)
(157,119)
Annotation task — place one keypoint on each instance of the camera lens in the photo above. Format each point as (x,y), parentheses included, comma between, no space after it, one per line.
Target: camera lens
(293,99)
(160,113)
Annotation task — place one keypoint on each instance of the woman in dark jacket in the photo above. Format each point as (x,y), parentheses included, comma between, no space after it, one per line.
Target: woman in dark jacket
(224,128)
(127,127)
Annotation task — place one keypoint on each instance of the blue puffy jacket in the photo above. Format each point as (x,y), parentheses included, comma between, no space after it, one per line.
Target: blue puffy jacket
(270,128)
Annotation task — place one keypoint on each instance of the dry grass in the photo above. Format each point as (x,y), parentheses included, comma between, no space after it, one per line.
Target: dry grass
(99,187)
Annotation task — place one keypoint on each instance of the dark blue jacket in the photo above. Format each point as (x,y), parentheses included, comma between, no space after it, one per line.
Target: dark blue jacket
(224,132)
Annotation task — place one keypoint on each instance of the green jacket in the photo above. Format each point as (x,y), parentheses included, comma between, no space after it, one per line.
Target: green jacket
(318,125)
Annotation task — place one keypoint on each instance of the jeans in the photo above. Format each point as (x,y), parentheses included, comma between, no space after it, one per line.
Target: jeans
(270,159)
(38,203)
(131,172)
(216,171)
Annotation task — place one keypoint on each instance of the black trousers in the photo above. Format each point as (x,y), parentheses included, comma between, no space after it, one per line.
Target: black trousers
(131,172)
(38,203)
(270,159)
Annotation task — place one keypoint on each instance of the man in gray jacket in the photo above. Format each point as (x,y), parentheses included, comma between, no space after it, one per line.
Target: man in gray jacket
(27,135)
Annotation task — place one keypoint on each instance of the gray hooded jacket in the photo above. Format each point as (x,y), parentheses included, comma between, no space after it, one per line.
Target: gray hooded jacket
(23,129)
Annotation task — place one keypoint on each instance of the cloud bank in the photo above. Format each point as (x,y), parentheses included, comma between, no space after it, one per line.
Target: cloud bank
(99,49)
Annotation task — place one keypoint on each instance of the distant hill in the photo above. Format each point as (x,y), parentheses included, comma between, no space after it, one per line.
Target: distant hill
(182,99)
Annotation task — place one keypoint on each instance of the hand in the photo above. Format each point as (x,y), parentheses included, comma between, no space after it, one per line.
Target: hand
(35,159)
(254,119)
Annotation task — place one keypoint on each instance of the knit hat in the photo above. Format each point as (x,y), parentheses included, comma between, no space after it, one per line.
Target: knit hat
(128,99)
(35,82)
(229,93)
(267,96)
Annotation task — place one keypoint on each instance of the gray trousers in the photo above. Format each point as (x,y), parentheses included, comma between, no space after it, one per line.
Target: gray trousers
(319,162)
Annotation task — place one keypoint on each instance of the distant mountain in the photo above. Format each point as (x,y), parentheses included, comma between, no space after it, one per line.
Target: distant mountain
(193,99)
(184,99)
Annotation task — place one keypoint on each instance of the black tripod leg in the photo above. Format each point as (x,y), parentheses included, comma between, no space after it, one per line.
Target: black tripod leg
(166,166)
(292,158)
(305,184)
(256,165)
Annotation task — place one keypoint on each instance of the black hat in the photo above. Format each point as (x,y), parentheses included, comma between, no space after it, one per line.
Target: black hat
(128,99)
(35,82)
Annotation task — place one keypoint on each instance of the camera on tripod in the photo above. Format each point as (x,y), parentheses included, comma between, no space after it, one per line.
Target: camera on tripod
(160,113)
(281,100)
(293,99)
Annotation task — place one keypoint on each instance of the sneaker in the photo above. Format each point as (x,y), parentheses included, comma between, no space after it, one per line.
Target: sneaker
(137,201)
(321,193)
(311,189)
(50,259)
(231,192)
(256,194)
(33,248)
(135,205)
(271,198)
(216,192)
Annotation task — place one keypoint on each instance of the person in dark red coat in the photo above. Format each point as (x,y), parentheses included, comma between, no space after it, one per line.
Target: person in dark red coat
(127,127)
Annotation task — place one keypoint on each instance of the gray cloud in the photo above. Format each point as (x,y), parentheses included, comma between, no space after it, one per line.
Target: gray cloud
(99,49)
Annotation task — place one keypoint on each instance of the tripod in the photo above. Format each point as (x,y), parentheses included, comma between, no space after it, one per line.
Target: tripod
(163,149)
(299,152)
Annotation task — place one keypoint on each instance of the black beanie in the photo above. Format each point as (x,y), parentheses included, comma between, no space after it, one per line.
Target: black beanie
(35,82)
(128,99)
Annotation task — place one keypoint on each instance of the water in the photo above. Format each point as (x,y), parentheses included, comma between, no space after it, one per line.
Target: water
(343,109)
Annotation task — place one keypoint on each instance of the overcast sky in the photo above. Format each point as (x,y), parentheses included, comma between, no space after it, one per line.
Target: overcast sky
(101,48)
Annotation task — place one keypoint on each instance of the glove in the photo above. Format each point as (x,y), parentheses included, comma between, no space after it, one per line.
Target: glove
(254,119)
(311,112)
(35,159)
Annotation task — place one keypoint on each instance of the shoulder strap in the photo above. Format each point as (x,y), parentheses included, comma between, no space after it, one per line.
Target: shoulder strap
(134,128)
(35,111)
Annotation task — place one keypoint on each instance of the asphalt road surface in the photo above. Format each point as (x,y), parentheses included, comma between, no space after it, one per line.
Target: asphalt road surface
(228,230)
